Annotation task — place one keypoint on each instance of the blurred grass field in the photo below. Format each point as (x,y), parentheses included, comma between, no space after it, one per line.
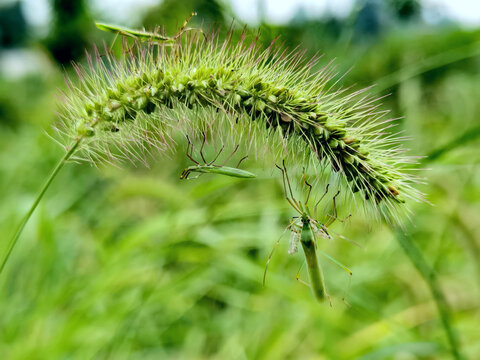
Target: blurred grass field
(131,263)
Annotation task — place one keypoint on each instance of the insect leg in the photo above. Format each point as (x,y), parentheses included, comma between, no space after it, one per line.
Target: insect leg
(336,262)
(289,185)
(190,151)
(243,158)
(230,156)
(203,144)
(309,192)
(318,202)
(335,204)
(113,42)
(333,217)
(307,284)
(126,48)
(188,174)
(270,256)
(216,157)
(346,291)
(297,277)
(291,201)
(195,177)
(345,218)
(185,29)
(184,174)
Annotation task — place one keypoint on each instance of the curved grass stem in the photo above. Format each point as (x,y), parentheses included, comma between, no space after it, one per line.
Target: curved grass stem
(39,197)
(459,141)
(430,277)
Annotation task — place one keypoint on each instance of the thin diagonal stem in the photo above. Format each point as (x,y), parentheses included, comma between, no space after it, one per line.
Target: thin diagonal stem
(430,277)
(39,197)
(459,141)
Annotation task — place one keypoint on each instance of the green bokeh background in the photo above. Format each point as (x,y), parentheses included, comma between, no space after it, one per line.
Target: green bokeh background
(131,263)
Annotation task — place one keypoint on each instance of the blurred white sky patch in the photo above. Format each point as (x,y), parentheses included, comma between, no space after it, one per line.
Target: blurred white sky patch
(282,11)
(465,11)
(128,12)
(38,12)
(17,63)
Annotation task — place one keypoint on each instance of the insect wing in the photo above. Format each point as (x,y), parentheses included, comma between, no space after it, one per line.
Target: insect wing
(294,239)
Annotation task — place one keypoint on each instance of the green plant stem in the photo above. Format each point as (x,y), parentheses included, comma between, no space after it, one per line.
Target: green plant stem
(434,62)
(39,197)
(429,275)
(463,139)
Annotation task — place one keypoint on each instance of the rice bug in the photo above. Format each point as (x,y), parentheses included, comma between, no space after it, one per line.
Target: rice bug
(210,167)
(305,229)
(142,35)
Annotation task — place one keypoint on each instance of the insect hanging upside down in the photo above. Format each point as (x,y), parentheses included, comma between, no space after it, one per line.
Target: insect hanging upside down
(305,230)
(143,35)
(210,167)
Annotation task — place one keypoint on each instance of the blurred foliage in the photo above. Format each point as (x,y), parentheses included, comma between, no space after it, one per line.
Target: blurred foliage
(210,14)
(69,34)
(132,263)
(406,9)
(13,27)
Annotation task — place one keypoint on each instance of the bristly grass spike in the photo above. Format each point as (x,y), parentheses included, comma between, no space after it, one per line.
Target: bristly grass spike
(304,117)
(210,167)
(121,108)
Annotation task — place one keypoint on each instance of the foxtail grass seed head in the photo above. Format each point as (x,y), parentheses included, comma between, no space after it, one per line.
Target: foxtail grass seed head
(123,107)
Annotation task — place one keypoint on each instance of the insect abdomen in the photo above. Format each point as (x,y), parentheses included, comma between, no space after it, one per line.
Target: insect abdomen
(224,170)
(314,271)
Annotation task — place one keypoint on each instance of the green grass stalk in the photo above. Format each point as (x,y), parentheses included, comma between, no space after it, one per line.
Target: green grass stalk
(468,136)
(415,256)
(39,197)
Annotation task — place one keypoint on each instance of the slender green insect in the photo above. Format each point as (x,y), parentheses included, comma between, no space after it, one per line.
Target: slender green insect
(210,167)
(143,35)
(305,229)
